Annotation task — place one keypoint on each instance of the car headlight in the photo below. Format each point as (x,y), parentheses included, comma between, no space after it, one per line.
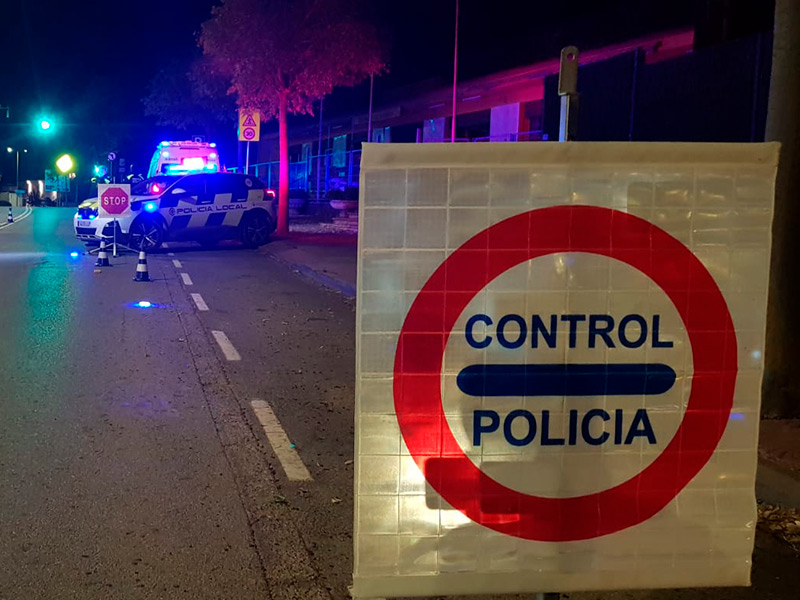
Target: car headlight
(86,213)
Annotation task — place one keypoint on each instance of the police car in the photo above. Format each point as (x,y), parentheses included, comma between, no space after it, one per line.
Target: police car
(204,207)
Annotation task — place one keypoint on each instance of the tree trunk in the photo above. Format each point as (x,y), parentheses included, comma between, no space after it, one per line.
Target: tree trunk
(781,390)
(283,175)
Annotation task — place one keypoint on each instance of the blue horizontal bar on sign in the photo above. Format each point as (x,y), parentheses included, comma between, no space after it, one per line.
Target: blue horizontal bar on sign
(566,380)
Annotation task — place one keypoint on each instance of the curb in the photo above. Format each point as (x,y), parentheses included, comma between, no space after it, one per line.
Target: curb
(329,282)
(776,487)
(343,288)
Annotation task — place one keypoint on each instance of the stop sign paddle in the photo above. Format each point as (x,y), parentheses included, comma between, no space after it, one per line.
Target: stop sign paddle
(115,199)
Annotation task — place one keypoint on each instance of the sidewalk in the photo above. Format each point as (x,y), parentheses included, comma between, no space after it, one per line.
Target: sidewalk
(328,258)
(778,480)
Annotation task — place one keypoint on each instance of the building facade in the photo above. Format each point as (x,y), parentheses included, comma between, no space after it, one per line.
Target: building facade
(655,88)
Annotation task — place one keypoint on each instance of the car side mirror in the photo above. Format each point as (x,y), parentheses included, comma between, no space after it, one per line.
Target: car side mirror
(178,191)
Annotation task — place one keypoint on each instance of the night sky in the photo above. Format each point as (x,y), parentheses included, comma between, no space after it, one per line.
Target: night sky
(87,63)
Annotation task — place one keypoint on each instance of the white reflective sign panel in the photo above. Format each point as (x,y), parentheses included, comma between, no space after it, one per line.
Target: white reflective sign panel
(559,365)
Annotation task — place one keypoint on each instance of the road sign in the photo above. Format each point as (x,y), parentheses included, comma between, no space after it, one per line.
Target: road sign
(115,199)
(567,229)
(53,182)
(112,156)
(559,362)
(249,125)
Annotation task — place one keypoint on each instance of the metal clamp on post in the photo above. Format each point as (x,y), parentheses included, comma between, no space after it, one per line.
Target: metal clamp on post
(568,90)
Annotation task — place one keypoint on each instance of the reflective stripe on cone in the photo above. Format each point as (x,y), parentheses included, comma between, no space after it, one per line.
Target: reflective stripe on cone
(102,256)
(141,268)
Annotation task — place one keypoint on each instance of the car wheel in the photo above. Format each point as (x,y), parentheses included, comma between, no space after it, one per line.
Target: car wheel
(255,229)
(208,243)
(146,234)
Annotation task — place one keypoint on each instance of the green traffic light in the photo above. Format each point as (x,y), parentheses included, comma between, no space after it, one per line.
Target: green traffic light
(44,125)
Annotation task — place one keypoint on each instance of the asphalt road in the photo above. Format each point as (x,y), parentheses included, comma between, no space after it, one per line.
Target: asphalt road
(134,458)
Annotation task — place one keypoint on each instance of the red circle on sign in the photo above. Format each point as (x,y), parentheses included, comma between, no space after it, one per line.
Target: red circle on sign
(115,200)
(426,330)
(249,133)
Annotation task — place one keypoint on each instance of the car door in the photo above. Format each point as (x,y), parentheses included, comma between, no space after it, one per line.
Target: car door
(229,202)
(186,205)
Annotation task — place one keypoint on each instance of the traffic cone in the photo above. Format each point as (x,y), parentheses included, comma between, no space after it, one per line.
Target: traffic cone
(10,215)
(141,268)
(102,256)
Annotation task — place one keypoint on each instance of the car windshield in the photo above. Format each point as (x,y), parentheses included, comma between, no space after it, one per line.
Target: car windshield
(153,185)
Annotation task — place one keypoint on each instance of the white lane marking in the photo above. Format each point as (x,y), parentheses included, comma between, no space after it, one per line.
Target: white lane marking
(170,254)
(165,245)
(25,214)
(198,300)
(289,458)
(225,345)
(186,279)
(177,263)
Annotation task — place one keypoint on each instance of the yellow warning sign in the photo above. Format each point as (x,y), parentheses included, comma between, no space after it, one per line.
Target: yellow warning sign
(249,125)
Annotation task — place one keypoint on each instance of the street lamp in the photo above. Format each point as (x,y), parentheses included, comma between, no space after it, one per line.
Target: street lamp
(9,149)
(45,124)
(65,163)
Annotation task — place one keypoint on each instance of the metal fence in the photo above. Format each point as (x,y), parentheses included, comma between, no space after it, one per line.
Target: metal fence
(317,175)
(535,135)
